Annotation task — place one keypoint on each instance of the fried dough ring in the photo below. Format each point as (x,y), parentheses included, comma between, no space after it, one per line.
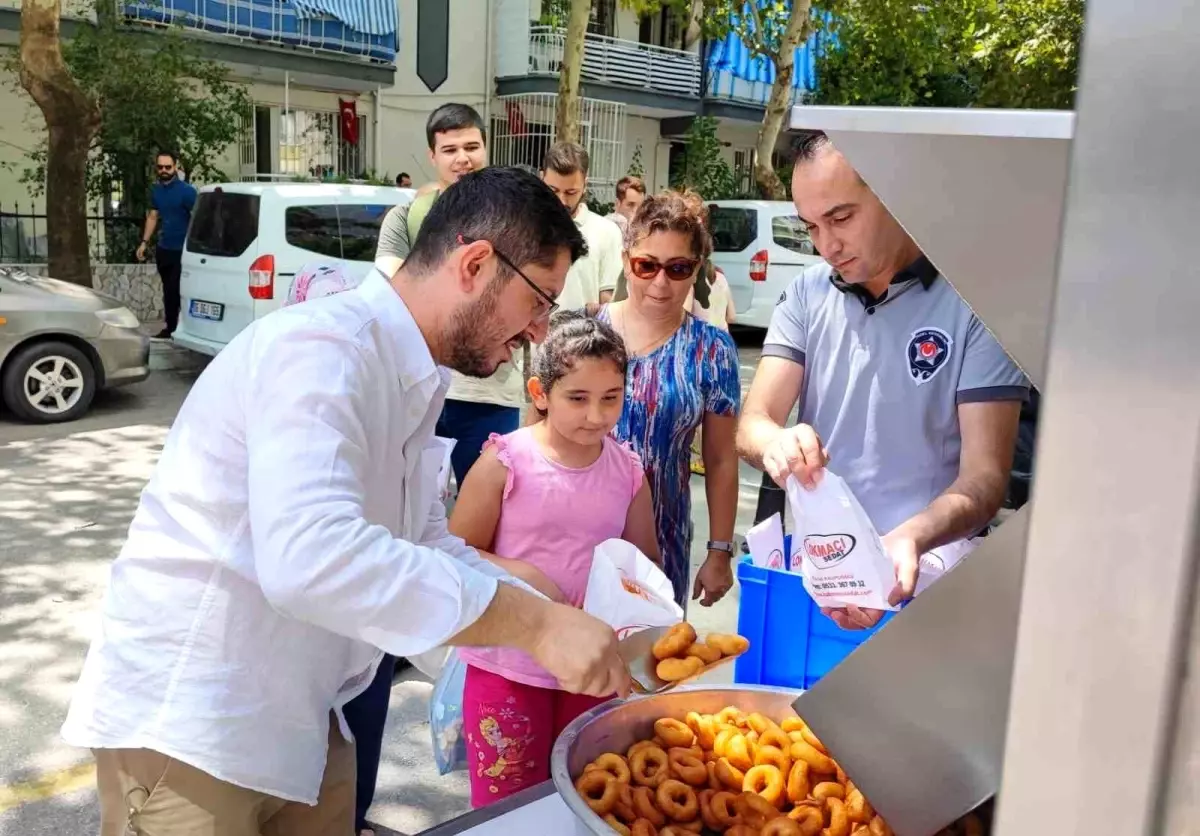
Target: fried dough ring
(623,808)
(675,641)
(781,826)
(810,819)
(694,751)
(776,737)
(817,761)
(828,789)
(641,744)
(614,765)
(693,826)
(704,727)
(706,813)
(617,825)
(879,827)
(723,810)
(767,781)
(703,651)
(677,800)
(599,791)
(643,805)
(673,670)
(643,827)
(688,768)
(674,732)
(797,782)
(649,767)
(722,742)
(674,830)
(729,775)
(758,722)
(792,724)
(774,756)
(741,830)
(839,824)
(729,714)
(728,643)
(739,753)
(813,740)
(858,809)
(754,810)
(714,783)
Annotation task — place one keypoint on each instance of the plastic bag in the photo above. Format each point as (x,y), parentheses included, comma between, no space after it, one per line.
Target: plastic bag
(627,591)
(836,548)
(446,717)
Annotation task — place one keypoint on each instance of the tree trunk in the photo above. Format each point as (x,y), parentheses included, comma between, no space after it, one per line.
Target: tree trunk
(777,105)
(566,112)
(72,120)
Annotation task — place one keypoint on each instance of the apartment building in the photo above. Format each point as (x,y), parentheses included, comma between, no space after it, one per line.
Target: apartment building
(343,87)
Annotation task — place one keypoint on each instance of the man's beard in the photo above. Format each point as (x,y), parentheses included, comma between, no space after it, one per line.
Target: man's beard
(166,178)
(469,337)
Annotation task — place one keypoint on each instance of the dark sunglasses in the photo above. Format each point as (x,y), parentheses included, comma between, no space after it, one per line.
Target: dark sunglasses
(677,269)
(551,305)
(164,167)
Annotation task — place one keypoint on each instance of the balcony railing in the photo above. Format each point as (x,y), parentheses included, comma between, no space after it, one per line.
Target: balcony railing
(619,62)
(274,22)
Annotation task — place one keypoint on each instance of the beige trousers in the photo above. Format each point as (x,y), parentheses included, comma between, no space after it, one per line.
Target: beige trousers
(145,793)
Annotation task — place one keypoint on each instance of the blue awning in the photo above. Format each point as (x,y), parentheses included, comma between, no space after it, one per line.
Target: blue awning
(371,17)
(730,55)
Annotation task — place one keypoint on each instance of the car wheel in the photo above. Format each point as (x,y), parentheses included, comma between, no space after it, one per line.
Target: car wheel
(49,382)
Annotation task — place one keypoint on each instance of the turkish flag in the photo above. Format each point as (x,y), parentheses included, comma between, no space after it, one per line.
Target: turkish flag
(516,119)
(349,116)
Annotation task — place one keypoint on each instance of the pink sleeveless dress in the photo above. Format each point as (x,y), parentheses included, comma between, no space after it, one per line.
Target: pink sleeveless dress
(554,517)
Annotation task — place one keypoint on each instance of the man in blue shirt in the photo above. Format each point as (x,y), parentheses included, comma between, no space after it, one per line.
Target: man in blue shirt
(171,201)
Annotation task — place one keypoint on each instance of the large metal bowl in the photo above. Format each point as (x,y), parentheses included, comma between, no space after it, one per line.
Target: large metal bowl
(614,726)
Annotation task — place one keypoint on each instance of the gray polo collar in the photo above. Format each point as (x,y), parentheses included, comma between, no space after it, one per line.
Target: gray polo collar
(920,272)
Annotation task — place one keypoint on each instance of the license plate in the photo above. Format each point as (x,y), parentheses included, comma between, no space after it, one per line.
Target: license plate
(207,310)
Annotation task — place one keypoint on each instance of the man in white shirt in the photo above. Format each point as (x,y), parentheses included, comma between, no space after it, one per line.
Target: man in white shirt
(593,277)
(292,530)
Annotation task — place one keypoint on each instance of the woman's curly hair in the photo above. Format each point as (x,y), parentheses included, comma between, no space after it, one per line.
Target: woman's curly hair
(672,211)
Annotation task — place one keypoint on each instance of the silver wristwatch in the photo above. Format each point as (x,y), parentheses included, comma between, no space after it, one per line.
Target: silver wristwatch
(720,546)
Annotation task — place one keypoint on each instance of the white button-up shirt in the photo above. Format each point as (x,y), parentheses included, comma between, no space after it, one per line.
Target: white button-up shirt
(292,526)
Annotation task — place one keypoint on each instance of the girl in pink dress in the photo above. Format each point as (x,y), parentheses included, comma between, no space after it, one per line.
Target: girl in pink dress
(545,496)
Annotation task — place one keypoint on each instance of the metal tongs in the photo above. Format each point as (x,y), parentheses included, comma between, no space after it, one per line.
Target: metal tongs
(635,651)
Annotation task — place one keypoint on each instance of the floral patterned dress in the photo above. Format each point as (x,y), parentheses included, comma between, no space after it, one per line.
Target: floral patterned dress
(667,394)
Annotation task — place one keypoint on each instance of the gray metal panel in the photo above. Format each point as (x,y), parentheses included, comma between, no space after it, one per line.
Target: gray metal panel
(984,206)
(1103,642)
(916,716)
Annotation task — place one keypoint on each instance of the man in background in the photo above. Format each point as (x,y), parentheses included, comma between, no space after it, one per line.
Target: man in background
(592,279)
(171,202)
(631,192)
(403,181)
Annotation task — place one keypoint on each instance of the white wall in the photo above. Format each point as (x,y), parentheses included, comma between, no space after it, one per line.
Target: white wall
(655,150)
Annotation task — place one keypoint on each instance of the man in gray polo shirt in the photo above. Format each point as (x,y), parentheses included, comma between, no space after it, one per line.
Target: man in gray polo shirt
(902,390)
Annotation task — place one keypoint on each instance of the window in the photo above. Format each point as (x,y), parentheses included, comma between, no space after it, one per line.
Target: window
(223,224)
(733,228)
(314,228)
(788,231)
(360,230)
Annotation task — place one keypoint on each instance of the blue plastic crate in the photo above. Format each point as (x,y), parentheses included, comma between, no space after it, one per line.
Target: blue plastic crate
(792,644)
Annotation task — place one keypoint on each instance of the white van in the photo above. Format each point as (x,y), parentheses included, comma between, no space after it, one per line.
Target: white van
(247,240)
(760,245)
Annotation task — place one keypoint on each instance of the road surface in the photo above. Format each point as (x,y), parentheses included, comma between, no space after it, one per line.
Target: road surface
(67,494)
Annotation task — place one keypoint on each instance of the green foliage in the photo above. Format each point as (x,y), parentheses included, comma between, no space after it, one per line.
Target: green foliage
(155,92)
(555,13)
(598,206)
(636,167)
(704,168)
(1028,54)
(953,53)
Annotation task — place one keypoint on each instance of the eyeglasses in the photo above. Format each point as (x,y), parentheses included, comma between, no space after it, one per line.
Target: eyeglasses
(677,269)
(164,167)
(551,305)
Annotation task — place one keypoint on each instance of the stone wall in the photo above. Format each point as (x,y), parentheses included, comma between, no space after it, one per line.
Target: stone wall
(136,285)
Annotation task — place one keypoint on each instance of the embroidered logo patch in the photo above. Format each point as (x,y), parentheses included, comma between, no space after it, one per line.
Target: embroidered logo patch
(928,351)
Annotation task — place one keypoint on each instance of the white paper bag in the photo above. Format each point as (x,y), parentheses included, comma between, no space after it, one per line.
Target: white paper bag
(836,548)
(941,560)
(627,591)
(765,542)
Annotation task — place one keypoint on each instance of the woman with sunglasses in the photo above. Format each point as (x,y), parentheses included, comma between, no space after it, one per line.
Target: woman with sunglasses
(683,375)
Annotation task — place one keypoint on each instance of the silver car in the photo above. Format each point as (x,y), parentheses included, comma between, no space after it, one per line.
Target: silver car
(59,343)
